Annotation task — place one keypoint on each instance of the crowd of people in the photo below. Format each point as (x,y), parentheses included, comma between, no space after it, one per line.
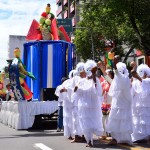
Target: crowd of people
(111,104)
(8,95)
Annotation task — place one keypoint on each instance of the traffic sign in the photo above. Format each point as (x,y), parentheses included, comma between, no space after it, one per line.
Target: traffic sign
(66,23)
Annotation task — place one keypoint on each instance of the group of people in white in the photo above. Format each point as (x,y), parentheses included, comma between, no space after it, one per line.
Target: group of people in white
(82,96)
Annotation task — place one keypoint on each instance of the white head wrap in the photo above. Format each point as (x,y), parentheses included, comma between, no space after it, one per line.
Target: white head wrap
(80,67)
(75,73)
(107,70)
(72,73)
(121,67)
(88,67)
(142,69)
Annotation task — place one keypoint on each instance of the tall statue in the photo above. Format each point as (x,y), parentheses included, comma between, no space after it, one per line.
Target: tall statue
(45,23)
(47,28)
(17,74)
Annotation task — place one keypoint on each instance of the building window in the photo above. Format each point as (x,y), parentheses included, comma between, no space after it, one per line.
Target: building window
(140,60)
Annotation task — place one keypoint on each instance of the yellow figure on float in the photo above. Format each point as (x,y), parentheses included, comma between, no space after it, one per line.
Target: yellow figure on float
(22,74)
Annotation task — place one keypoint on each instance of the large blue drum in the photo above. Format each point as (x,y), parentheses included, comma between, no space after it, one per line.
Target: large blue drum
(49,61)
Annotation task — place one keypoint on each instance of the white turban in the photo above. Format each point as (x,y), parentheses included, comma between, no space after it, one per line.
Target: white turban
(80,67)
(142,69)
(121,67)
(72,73)
(75,73)
(108,70)
(88,67)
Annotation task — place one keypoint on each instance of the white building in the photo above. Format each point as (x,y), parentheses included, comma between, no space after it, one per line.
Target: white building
(15,41)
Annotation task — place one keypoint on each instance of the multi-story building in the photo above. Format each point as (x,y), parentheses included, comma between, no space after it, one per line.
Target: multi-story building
(68,9)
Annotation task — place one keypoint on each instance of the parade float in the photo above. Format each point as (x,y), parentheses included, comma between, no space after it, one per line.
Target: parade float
(51,47)
(47,57)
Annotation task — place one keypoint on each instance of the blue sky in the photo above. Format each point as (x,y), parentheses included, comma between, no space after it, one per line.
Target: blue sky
(16,17)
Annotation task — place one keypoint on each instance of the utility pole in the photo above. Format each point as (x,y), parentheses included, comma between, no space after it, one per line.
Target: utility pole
(92,46)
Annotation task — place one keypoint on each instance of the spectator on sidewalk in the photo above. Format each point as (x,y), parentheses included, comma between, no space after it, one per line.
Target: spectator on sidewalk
(9,93)
(60,106)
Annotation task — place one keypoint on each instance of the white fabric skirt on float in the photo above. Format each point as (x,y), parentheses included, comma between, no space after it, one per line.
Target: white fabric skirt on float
(21,115)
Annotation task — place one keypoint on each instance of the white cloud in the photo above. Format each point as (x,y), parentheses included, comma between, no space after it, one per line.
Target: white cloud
(16,17)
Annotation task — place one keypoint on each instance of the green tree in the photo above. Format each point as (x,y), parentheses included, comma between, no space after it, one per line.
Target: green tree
(123,21)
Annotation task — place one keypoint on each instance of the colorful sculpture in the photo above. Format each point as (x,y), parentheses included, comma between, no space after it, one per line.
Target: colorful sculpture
(17,73)
(111,55)
(47,28)
(45,23)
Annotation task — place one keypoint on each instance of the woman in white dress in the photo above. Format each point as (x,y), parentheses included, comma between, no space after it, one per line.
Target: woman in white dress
(141,103)
(120,117)
(74,99)
(67,105)
(90,115)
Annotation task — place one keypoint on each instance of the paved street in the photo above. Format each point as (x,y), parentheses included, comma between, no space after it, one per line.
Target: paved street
(49,139)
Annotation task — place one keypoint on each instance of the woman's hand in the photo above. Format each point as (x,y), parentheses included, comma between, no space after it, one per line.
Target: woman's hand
(102,67)
(133,65)
(116,60)
(75,89)
(63,90)
(135,75)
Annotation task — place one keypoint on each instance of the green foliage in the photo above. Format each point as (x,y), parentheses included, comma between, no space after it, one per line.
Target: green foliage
(123,21)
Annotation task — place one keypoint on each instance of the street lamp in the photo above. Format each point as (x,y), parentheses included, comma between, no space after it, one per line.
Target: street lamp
(92,44)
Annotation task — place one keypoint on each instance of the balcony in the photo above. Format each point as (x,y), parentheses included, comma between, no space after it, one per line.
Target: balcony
(73,21)
(72,8)
(57,1)
(59,10)
(66,14)
(65,2)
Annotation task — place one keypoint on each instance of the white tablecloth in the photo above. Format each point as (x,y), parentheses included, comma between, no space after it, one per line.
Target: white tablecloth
(21,115)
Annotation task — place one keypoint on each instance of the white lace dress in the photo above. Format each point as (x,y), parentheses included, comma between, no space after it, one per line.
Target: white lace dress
(75,112)
(90,114)
(67,108)
(141,109)
(120,118)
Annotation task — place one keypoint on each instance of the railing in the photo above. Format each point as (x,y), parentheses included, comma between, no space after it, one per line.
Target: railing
(73,21)
(72,8)
(59,10)
(65,14)
(57,1)
(65,2)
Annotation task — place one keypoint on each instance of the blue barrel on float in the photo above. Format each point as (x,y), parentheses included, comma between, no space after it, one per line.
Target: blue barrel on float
(49,61)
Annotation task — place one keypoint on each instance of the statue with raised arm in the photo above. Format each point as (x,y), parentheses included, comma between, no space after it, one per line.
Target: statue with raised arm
(17,74)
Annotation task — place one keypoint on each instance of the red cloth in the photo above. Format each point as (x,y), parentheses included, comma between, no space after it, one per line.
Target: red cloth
(54,29)
(33,33)
(62,29)
(101,79)
(105,86)
(29,96)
